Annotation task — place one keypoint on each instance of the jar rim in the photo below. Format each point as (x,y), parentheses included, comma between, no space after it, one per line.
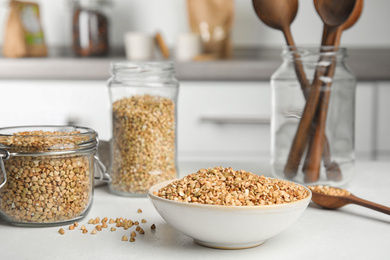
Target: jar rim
(137,67)
(47,128)
(85,139)
(312,50)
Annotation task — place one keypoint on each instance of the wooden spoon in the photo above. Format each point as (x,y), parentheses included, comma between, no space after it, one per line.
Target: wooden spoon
(338,201)
(355,15)
(352,19)
(333,13)
(332,168)
(279,14)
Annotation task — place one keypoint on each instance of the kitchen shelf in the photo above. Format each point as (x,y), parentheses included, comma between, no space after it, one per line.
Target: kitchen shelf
(248,64)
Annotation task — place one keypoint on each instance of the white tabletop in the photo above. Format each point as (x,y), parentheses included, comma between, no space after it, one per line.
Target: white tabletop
(352,232)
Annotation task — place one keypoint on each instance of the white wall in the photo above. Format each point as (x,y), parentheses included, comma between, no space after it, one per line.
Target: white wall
(169,16)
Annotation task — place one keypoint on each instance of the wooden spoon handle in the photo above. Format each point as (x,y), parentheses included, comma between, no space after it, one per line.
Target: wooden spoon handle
(368,204)
(312,163)
(303,81)
(315,153)
(300,139)
(302,136)
(332,168)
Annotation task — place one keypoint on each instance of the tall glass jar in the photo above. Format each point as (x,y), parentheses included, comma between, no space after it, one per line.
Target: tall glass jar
(144,104)
(313,117)
(90,27)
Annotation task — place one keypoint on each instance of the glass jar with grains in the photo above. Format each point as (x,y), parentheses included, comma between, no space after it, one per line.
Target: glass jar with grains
(90,27)
(47,174)
(144,98)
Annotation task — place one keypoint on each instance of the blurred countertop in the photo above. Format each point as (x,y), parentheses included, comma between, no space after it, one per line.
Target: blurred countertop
(249,64)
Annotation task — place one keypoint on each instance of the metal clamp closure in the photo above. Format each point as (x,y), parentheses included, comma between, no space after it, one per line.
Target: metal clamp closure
(103,176)
(4,155)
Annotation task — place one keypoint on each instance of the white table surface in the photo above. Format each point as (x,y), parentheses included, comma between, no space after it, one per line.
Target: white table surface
(352,232)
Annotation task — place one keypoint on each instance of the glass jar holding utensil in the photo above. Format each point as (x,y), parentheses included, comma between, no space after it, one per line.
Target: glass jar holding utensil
(313,117)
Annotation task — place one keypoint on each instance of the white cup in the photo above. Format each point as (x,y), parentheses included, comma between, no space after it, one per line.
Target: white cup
(188,45)
(139,46)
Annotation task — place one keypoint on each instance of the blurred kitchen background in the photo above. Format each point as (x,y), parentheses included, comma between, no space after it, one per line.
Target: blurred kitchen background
(224,105)
(170,17)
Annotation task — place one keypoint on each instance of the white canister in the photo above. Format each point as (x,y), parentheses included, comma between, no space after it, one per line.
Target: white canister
(139,46)
(188,46)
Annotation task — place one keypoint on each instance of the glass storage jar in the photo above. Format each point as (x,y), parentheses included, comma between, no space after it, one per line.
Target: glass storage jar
(313,113)
(90,27)
(46,174)
(144,104)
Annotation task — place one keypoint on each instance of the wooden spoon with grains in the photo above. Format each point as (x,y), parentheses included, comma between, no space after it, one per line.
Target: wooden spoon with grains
(334,198)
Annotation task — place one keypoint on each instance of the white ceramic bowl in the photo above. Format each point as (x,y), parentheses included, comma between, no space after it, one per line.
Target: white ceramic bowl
(229,227)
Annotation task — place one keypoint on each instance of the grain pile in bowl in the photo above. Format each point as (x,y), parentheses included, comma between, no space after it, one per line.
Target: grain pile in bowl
(225,186)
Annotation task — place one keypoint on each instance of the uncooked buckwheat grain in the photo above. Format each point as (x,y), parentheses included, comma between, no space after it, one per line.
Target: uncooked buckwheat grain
(329,190)
(44,189)
(144,142)
(225,186)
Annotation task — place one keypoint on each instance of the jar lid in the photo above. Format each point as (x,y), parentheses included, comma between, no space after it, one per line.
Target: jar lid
(47,140)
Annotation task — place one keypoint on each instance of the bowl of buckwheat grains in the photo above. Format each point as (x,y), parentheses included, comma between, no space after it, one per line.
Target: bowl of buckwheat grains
(224,208)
